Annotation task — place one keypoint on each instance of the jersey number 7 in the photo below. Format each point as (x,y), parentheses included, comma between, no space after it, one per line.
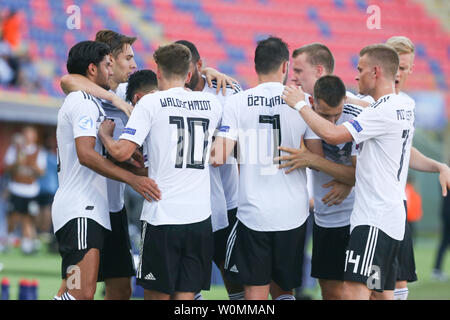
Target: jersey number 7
(193,124)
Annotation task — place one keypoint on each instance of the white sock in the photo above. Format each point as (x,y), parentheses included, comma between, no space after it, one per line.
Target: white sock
(236,296)
(67,296)
(401,294)
(27,245)
(198,296)
(286,297)
(57,297)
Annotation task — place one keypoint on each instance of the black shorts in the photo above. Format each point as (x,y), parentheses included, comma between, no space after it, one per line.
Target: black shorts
(20,204)
(221,237)
(255,258)
(116,258)
(371,258)
(45,199)
(76,238)
(328,252)
(176,258)
(406,262)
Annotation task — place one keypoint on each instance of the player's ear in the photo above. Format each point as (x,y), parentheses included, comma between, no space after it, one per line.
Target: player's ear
(319,71)
(285,67)
(199,65)
(92,69)
(188,77)
(311,101)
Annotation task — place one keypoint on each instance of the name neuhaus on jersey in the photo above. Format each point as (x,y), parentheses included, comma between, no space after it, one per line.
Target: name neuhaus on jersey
(191,104)
(261,101)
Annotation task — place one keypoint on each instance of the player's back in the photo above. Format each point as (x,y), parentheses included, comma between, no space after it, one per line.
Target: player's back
(384,132)
(181,125)
(269,199)
(81,191)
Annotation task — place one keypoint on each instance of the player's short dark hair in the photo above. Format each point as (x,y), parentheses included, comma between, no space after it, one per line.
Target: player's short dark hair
(142,80)
(383,55)
(114,40)
(173,60)
(192,48)
(330,89)
(83,54)
(317,54)
(270,54)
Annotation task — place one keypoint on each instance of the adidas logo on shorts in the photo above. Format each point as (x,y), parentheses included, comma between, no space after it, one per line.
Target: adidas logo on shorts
(234,269)
(150,277)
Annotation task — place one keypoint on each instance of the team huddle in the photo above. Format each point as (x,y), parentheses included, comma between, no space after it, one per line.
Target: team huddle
(223,172)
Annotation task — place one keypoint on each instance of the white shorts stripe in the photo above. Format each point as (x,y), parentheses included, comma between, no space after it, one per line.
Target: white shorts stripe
(365,252)
(79,233)
(141,250)
(230,243)
(373,252)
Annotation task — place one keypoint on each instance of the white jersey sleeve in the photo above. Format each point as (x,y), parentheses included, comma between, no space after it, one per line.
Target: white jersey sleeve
(230,125)
(83,118)
(139,124)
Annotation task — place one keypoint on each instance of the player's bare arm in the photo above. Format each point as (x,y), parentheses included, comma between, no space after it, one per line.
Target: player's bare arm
(88,157)
(303,157)
(420,162)
(357,102)
(74,82)
(222,79)
(328,131)
(121,150)
(220,150)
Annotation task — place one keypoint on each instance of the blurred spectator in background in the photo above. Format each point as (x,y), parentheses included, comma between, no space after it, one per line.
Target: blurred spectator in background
(25,162)
(6,72)
(10,28)
(48,185)
(413,204)
(438,274)
(3,220)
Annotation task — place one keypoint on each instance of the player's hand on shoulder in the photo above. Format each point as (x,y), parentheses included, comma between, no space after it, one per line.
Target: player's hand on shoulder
(147,188)
(106,128)
(338,193)
(222,80)
(293,94)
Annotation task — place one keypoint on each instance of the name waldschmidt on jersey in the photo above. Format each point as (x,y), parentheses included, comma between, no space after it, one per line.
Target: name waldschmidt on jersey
(190,105)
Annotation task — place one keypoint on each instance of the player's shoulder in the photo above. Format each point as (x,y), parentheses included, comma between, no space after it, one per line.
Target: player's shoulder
(80,98)
(230,90)
(405,97)
(351,110)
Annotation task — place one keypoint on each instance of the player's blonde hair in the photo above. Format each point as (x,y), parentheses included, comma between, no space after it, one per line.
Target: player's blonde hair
(401,44)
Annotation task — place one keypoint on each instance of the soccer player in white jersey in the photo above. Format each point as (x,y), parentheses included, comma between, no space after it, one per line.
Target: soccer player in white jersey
(265,247)
(406,264)
(382,131)
(177,126)
(332,209)
(80,208)
(224,179)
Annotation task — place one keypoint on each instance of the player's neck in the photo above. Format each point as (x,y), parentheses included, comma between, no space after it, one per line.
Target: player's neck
(200,84)
(113,85)
(384,88)
(169,84)
(272,77)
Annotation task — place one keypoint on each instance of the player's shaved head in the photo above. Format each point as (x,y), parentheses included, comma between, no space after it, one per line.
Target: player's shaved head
(317,54)
(173,60)
(270,54)
(383,56)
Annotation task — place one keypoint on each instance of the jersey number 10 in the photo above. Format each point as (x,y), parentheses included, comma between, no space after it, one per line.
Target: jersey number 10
(193,162)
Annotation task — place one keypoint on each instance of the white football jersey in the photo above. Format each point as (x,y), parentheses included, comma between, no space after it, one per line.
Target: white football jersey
(224,179)
(121,91)
(404,174)
(177,126)
(81,192)
(383,132)
(260,121)
(336,215)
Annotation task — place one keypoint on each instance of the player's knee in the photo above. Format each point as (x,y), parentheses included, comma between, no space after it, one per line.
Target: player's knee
(118,290)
